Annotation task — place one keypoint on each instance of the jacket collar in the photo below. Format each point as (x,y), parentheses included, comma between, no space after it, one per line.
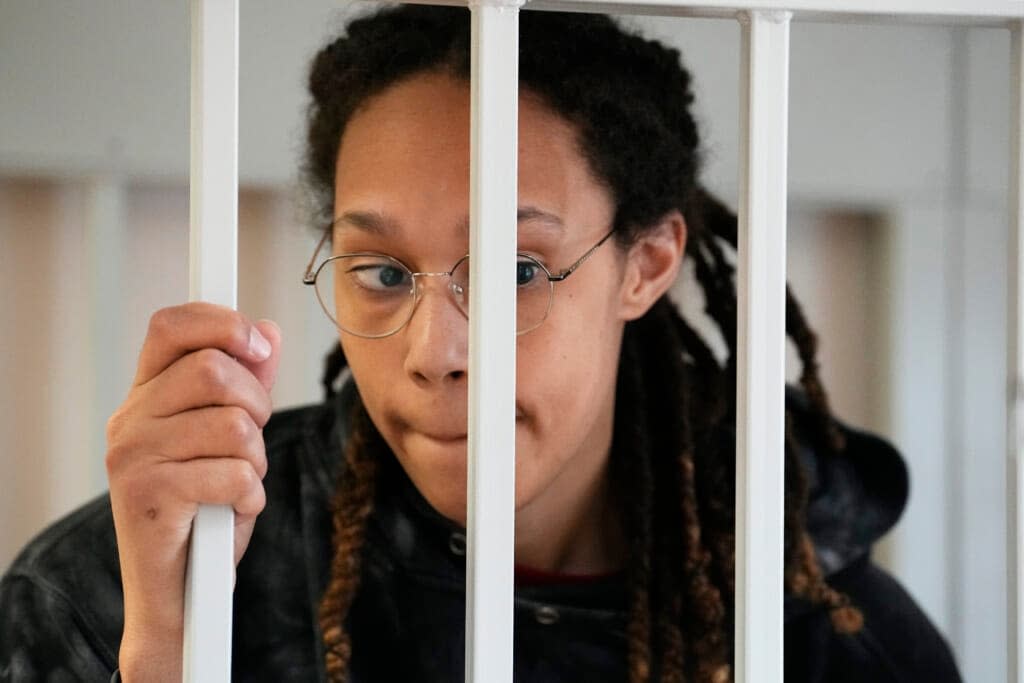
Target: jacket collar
(855,496)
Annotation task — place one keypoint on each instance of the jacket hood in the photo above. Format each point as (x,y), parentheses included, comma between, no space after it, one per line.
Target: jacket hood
(855,496)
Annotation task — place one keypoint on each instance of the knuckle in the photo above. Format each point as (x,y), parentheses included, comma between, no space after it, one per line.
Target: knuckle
(252,480)
(239,335)
(211,369)
(244,478)
(163,321)
(260,459)
(116,426)
(264,409)
(239,427)
(260,501)
(252,502)
(114,457)
(122,440)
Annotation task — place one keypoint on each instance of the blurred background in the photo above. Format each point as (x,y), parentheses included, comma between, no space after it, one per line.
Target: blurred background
(897,247)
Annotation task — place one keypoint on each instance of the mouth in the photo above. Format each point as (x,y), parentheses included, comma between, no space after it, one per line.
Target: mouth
(456,432)
(446,435)
(445,438)
(455,437)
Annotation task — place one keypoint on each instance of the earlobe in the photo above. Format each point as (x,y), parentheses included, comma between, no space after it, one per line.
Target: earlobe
(652,265)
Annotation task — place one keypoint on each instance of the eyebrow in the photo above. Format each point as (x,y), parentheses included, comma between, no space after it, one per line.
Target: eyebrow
(386,226)
(532,213)
(368,221)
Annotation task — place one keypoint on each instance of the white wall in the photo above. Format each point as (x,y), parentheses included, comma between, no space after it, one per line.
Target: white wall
(905,123)
(104,85)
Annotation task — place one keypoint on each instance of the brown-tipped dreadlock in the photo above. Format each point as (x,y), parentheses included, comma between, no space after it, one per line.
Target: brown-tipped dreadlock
(639,515)
(803,574)
(673,440)
(716,277)
(352,504)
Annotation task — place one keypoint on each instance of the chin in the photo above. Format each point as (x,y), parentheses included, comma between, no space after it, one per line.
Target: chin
(439,474)
(449,501)
(438,469)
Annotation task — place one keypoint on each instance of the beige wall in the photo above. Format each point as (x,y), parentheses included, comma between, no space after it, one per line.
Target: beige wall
(836,268)
(76,319)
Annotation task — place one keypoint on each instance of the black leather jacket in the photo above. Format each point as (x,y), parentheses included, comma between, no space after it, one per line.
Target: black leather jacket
(61,601)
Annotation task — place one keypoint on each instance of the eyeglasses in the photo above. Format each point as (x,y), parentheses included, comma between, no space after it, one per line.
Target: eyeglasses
(374,295)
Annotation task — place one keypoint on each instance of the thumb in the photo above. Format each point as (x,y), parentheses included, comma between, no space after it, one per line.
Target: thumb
(266,370)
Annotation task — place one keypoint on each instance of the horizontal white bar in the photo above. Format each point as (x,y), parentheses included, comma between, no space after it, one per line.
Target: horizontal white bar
(761,339)
(984,12)
(213,277)
(492,341)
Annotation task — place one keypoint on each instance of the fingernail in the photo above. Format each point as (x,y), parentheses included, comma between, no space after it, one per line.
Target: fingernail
(258,344)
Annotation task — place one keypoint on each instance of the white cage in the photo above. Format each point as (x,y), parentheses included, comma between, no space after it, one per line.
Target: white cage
(761,280)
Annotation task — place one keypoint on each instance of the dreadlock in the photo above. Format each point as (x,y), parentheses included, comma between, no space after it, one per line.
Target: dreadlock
(352,504)
(673,441)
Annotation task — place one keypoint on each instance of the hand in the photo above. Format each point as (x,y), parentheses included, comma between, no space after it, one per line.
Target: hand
(189,432)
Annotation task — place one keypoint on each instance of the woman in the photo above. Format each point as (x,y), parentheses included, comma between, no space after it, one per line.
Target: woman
(624,450)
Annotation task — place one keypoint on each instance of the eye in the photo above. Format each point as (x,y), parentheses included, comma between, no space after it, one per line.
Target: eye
(381,276)
(390,276)
(527,270)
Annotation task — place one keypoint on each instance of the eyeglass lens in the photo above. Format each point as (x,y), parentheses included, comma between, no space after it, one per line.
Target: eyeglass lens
(372,295)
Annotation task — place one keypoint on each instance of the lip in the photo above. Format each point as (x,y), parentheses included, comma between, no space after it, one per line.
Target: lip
(452,436)
(445,438)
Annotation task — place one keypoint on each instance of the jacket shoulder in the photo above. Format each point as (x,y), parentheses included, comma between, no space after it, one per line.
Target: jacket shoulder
(61,608)
(896,644)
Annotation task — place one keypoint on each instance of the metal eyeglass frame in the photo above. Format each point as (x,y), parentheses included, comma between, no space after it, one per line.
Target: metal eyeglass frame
(311,274)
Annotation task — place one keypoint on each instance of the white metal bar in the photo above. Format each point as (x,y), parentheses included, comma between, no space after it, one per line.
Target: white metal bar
(761,313)
(1015,370)
(492,344)
(983,12)
(213,209)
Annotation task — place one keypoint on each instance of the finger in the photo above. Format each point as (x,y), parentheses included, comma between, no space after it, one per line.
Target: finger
(208,377)
(154,509)
(179,330)
(218,431)
(166,497)
(266,371)
(220,481)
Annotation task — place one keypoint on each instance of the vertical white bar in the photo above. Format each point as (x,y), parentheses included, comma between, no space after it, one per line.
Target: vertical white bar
(492,340)
(761,338)
(1015,368)
(213,207)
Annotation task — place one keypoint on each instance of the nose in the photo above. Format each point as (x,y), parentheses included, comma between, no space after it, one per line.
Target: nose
(437,336)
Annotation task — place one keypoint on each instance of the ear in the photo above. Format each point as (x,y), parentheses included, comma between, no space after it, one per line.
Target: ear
(652,265)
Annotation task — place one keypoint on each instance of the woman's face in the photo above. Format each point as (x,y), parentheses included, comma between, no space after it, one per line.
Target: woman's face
(404,162)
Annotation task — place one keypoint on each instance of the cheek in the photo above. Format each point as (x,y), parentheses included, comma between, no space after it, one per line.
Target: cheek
(373,368)
(565,368)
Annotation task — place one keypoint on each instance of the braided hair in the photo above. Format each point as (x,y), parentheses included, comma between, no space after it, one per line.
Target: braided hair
(673,444)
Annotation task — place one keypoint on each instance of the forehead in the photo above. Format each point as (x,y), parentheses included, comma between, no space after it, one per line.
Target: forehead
(406,152)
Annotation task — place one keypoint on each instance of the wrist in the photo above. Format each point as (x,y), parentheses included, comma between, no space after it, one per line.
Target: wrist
(150,657)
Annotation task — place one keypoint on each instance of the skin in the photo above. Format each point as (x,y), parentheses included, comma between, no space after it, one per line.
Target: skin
(404,160)
(190,430)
